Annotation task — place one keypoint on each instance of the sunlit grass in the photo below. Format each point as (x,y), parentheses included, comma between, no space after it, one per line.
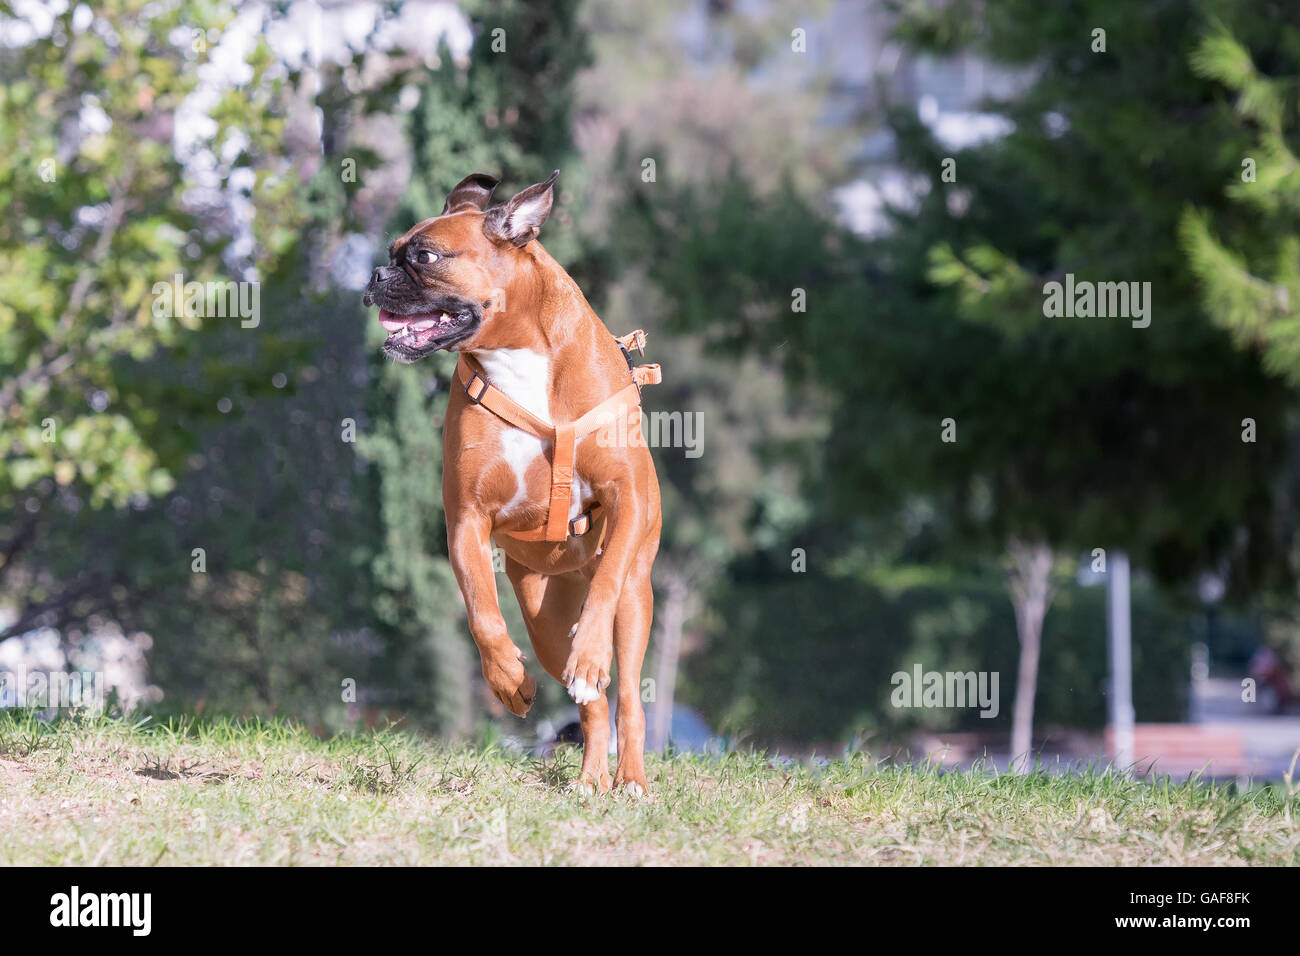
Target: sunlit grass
(110,792)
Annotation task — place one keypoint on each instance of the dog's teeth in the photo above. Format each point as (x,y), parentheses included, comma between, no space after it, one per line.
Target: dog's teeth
(422,326)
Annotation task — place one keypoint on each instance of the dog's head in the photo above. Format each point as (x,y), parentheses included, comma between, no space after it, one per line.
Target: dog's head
(446,278)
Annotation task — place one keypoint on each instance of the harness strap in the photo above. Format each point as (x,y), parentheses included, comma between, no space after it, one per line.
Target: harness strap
(557,518)
(564,437)
(633,340)
(481,392)
(648,374)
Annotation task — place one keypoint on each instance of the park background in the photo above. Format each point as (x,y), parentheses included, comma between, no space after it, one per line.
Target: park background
(835,221)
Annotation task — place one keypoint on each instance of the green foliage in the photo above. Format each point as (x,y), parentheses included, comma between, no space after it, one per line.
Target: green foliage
(322,559)
(326,560)
(1098,193)
(1078,431)
(414,589)
(1247,258)
(105,398)
(94,218)
(1082,432)
(506,114)
(810,656)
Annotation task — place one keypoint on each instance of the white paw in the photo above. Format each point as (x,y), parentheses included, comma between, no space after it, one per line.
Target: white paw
(581,691)
(633,789)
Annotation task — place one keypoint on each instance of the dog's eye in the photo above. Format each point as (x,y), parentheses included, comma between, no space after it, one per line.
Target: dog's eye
(424,257)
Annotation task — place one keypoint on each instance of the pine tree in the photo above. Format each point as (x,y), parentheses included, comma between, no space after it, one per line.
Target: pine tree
(1248,259)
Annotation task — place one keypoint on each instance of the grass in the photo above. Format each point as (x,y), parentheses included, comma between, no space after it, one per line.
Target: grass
(109,792)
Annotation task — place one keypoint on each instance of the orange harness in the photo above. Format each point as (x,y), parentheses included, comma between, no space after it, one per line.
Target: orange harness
(564,437)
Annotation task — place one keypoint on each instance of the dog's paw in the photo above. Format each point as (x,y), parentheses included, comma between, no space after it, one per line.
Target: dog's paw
(585,676)
(590,784)
(511,683)
(634,787)
(581,691)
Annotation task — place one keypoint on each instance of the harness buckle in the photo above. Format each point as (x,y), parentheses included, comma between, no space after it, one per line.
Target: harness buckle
(580,525)
(481,392)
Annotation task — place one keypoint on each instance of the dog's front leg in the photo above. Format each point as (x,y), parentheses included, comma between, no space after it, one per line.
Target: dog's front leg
(586,674)
(470,537)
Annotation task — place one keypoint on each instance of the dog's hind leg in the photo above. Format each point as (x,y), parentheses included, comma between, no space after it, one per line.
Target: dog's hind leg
(551,605)
(631,637)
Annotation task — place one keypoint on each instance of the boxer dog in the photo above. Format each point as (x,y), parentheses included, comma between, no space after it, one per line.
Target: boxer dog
(475,280)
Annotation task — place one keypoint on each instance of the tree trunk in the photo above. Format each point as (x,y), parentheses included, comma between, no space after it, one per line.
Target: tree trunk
(672,620)
(1030,585)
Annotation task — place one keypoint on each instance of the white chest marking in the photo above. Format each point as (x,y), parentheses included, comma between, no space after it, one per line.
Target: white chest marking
(524,376)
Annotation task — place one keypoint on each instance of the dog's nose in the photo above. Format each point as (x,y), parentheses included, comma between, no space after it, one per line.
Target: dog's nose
(377,275)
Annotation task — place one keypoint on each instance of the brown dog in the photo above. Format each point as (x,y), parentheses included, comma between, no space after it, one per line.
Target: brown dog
(534,355)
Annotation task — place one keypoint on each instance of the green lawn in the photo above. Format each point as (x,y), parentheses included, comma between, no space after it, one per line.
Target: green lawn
(105,792)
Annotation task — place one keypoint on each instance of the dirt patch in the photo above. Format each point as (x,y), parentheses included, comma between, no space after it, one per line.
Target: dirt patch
(13,773)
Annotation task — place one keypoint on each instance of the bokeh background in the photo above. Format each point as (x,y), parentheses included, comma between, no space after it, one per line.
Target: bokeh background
(835,220)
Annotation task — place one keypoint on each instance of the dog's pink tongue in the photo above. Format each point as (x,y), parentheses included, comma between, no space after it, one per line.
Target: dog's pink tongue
(392,322)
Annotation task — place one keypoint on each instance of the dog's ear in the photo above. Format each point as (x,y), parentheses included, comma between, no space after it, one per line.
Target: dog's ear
(520,219)
(474,191)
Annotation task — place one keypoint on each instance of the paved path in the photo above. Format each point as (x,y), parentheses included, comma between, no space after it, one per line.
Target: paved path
(1271,739)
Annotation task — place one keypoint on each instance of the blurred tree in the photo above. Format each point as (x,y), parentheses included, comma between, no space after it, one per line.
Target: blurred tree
(808,658)
(1247,255)
(273,613)
(677,105)
(1100,176)
(1249,261)
(735,487)
(284,556)
(99,215)
(961,409)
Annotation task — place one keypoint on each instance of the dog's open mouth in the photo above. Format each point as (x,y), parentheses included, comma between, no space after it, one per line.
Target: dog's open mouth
(411,337)
(417,330)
